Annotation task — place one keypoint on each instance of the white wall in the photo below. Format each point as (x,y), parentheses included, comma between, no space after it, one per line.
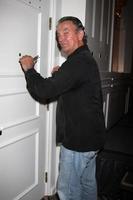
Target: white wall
(76,8)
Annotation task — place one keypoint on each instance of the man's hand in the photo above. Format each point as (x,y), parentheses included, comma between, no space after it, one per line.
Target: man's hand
(55,69)
(27,62)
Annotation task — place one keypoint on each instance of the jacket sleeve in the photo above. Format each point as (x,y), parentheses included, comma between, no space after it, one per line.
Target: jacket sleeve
(41,89)
(69,76)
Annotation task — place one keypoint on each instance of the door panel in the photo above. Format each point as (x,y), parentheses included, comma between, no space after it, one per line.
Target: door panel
(98,27)
(19,26)
(17,113)
(21,170)
(24,30)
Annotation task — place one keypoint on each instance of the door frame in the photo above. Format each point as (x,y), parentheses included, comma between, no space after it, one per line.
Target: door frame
(51,151)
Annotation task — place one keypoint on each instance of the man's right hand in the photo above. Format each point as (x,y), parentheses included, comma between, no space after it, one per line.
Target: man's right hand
(27,62)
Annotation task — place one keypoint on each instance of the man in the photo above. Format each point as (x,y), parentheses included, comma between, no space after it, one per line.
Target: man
(80,121)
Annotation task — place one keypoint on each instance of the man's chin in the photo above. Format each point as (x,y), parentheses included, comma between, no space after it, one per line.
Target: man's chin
(63,49)
(64,53)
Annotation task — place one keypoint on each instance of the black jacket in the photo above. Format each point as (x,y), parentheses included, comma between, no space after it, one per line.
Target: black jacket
(77,86)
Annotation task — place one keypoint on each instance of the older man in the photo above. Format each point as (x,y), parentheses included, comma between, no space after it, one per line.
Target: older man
(80,121)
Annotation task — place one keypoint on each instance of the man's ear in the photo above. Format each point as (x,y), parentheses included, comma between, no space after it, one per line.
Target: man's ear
(81,35)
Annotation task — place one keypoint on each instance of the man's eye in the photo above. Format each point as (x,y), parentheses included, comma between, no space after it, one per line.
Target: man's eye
(66,32)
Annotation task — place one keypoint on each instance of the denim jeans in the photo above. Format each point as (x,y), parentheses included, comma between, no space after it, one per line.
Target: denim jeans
(76,180)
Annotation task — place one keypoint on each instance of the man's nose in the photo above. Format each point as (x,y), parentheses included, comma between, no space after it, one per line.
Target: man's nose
(60,38)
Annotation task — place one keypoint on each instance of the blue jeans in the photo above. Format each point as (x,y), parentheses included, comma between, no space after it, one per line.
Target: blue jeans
(77,179)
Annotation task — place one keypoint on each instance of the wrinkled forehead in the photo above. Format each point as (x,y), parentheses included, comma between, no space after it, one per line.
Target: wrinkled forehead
(66,25)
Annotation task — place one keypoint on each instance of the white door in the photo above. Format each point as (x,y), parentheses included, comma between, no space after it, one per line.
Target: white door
(99,17)
(23,30)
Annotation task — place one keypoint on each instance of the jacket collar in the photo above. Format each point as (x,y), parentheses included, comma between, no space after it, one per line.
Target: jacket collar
(78,50)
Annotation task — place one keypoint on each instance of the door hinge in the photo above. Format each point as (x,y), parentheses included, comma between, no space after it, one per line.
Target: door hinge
(50,23)
(46,177)
(47,106)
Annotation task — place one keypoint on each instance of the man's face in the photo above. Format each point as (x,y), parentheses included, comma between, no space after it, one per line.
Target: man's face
(69,37)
